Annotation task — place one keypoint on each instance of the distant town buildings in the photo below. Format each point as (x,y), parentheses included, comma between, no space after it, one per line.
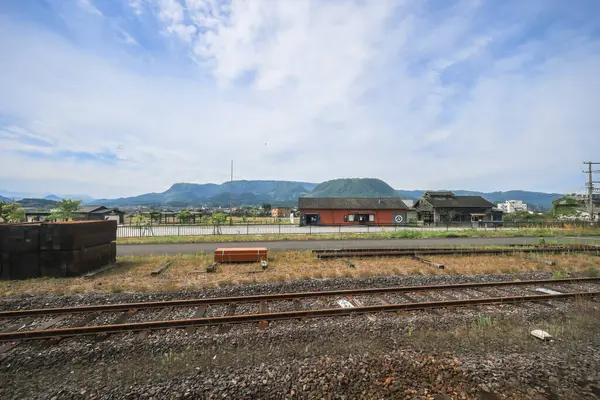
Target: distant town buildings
(512,206)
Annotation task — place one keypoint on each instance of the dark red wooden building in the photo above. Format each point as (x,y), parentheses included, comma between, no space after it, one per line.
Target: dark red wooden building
(352,211)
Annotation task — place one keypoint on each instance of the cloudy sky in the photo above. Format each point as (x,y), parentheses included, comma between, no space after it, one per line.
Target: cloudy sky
(121,97)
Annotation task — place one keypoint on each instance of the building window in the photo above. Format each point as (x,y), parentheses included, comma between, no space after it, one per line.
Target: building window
(351,217)
(371,218)
(345,218)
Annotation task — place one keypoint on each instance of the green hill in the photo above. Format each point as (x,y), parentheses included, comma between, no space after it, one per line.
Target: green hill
(244,193)
(38,203)
(355,187)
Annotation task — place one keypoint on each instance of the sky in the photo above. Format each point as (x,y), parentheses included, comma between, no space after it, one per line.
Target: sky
(120,97)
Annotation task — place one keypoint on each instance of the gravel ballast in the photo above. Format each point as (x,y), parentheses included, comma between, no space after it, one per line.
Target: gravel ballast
(461,353)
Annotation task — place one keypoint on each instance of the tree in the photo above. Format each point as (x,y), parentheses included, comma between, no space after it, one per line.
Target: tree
(523,216)
(155,216)
(138,220)
(218,219)
(448,216)
(184,216)
(65,210)
(267,208)
(11,212)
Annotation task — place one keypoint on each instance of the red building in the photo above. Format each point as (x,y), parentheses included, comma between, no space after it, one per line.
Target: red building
(351,211)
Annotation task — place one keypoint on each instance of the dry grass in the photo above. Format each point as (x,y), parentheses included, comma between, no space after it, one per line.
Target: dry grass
(187,271)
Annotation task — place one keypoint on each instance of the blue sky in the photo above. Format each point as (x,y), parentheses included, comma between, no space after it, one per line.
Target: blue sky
(120,97)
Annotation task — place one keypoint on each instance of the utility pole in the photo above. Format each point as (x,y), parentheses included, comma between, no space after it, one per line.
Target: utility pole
(230,192)
(590,187)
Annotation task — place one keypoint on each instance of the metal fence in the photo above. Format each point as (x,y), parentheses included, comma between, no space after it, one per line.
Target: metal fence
(125,231)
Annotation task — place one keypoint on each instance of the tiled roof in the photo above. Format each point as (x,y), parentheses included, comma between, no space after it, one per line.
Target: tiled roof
(333,203)
(460,202)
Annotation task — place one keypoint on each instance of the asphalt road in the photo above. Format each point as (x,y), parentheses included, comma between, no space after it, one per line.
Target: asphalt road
(291,245)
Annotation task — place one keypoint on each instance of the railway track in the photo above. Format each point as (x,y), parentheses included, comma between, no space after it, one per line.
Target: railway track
(396,252)
(53,323)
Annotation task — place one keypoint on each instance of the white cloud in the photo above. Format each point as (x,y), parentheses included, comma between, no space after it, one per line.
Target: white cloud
(89,7)
(309,91)
(173,15)
(137,6)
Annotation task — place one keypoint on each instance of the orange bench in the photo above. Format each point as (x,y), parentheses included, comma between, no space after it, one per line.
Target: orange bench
(231,255)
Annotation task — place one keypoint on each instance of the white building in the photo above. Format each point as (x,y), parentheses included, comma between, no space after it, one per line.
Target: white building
(511,206)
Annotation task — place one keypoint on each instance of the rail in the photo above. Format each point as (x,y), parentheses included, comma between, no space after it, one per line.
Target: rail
(18,334)
(277,297)
(286,315)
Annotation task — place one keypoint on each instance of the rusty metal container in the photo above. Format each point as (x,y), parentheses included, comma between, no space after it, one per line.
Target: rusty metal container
(233,255)
(76,235)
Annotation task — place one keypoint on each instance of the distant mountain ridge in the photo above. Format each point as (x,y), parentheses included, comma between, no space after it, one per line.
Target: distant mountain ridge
(48,196)
(195,194)
(256,192)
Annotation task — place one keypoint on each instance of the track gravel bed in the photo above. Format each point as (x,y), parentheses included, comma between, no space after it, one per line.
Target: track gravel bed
(460,353)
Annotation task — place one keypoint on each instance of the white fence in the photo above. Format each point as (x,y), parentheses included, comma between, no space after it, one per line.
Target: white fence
(125,231)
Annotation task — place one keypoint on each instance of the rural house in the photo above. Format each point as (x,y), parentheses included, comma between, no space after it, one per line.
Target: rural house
(352,211)
(281,212)
(443,207)
(101,213)
(90,213)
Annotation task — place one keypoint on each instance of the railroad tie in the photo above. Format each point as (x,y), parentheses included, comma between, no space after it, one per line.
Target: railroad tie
(199,313)
(357,303)
(82,322)
(298,307)
(161,269)
(230,311)
(120,320)
(429,262)
(263,309)
(11,345)
(163,313)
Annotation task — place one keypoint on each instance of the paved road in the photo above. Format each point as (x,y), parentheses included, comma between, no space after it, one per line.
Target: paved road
(290,245)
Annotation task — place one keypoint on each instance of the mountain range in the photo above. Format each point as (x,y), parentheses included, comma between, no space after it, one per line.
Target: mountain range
(257,192)
(10,195)
(242,192)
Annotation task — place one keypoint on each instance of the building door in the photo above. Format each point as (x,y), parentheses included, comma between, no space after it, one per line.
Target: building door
(312,219)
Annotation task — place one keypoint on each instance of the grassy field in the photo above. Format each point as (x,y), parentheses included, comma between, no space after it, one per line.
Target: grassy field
(402,234)
(187,272)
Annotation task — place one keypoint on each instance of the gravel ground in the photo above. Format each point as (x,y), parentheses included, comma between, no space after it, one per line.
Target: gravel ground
(461,354)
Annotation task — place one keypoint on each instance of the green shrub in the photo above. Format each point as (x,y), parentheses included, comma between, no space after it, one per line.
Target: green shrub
(484,321)
(559,275)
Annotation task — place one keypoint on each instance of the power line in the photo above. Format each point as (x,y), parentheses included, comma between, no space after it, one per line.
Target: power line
(590,186)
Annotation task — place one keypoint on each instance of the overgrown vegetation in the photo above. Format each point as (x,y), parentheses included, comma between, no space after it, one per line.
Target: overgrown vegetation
(11,212)
(525,216)
(483,321)
(65,210)
(559,275)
